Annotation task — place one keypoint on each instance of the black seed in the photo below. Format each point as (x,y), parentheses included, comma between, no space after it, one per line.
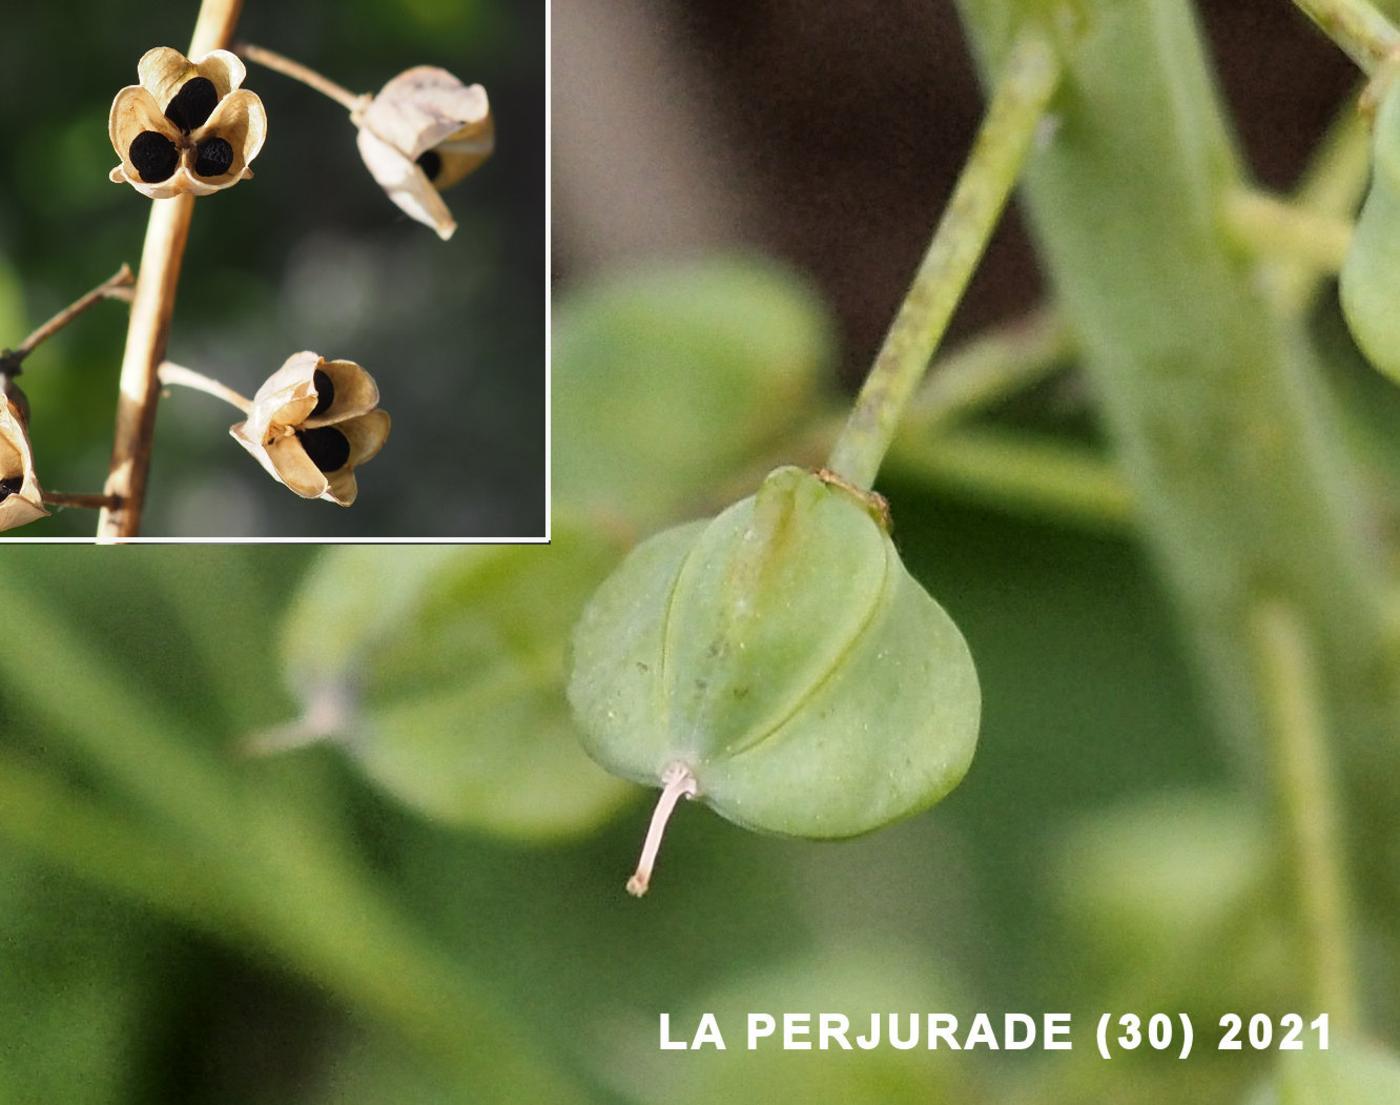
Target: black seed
(430,161)
(193,104)
(327,447)
(213,157)
(154,156)
(325,394)
(10,486)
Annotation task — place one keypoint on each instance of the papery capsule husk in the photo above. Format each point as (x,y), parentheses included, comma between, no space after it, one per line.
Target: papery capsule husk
(783,655)
(425,109)
(17,463)
(238,117)
(283,406)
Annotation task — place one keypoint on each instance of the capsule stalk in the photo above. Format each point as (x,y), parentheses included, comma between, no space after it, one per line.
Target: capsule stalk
(678,783)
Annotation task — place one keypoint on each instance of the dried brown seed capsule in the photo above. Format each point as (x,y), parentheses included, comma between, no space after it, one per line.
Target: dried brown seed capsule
(154,156)
(213,158)
(21,499)
(213,128)
(312,423)
(423,132)
(328,448)
(193,104)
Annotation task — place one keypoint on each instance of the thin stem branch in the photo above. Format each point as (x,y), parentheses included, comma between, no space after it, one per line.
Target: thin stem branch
(79,501)
(1018,103)
(174,375)
(167,231)
(1309,801)
(1358,27)
(1332,185)
(1274,227)
(1038,477)
(990,367)
(278,63)
(114,287)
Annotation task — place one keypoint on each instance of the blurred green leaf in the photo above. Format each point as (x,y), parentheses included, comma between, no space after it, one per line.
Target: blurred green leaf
(442,670)
(1348,1073)
(667,379)
(1169,902)
(1146,876)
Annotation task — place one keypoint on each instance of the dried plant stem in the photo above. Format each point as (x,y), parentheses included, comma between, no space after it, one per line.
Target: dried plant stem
(270,59)
(79,501)
(678,783)
(1308,800)
(1358,27)
(139,389)
(174,375)
(114,287)
(1018,103)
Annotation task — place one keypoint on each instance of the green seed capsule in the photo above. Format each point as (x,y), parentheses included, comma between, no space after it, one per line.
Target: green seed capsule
(780,664)
(1370,278)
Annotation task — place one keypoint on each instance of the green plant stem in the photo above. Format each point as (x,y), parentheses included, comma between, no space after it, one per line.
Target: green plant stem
(1271,227)
(1215,406)
(1037,477)
(1018,103)
(1308,802)
(1358,27)
(1333,186)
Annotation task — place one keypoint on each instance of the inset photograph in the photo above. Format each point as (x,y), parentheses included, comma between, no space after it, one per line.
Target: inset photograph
(277,273)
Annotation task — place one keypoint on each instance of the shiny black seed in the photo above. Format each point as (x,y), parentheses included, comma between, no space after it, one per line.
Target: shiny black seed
(325,394)
(430,161)
(154,156)
(213,157)
(10,486)
(193,104)
(327,447)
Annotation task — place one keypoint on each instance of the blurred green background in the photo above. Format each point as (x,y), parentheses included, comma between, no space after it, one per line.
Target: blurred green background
(426,905)
(309,255)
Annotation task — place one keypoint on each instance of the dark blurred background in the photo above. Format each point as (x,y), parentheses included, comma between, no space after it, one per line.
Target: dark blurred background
(829,135)
(309,255)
